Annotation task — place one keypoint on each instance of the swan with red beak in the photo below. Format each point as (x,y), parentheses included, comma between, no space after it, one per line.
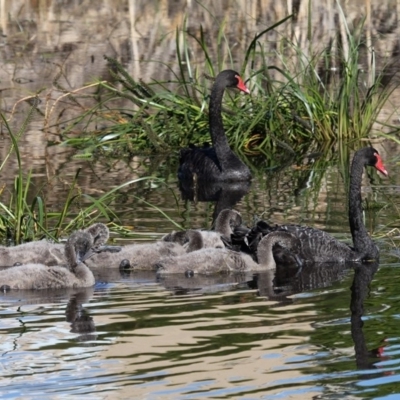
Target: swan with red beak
(217,163)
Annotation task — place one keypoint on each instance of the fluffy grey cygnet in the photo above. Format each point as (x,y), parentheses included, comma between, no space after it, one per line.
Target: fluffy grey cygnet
(40,251)
(195,239)
(211,261)
(45,252)
(137,256)
(144,256)
(39,276)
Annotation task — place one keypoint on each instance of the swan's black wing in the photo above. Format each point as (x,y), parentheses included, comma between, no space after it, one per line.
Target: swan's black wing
(237,240)
(316,245)
(247,239)
(320,246)
(201,161)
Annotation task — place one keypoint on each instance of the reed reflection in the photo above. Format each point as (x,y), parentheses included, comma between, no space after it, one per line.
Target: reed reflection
(225,194)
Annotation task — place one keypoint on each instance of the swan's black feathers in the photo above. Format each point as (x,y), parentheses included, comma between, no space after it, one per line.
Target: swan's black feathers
(316,245)
(218,163)
(202,161)
(319,246)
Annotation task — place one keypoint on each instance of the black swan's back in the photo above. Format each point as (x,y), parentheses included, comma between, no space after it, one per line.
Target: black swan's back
(318,245)
(217,163)
(202,161)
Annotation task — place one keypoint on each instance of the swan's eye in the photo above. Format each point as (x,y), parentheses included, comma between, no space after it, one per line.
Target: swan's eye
(219,247)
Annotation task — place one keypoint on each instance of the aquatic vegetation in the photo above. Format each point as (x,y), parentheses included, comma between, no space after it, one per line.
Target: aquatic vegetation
(304,103)
(22,220)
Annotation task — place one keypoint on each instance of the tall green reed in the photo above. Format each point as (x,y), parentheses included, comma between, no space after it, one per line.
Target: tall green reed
(292,107)
(24,221)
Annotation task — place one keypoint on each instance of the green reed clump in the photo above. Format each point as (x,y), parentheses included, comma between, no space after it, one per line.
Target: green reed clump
(294,108)
(23,220)
(309,102)
(161,118)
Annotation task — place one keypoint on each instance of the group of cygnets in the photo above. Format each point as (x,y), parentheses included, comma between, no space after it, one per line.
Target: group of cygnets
(45,265)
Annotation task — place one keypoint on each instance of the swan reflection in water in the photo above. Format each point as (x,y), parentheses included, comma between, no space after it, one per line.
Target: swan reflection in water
(225,195)
(277,285)
(360,289)
(81,321)
(287,282)
(76,315)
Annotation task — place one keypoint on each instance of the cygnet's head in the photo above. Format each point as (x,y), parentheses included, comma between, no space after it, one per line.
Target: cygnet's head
(99,232)
(226,222)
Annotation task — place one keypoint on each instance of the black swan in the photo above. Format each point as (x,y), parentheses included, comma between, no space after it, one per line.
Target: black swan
(211,261)
(217,163)
(39,276)
(319,246)
(143,256)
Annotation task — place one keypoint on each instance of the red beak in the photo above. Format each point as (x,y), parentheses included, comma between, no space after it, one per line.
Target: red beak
(379,165)
(241,86)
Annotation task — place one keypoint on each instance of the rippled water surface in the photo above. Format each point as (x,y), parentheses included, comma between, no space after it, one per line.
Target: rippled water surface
(132,336)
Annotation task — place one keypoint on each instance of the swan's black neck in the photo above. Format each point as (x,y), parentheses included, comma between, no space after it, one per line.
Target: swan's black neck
(215,117)
(226,157)
(362,242)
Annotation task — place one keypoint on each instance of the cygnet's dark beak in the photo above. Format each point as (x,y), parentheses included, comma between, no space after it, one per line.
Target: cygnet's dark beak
(84,257)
